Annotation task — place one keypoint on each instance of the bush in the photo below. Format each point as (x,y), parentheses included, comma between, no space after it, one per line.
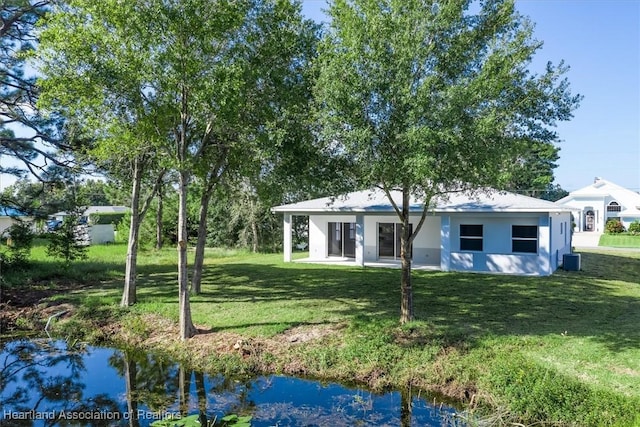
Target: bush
(634,227)
(614,226)
(106,218)
(19,244)
(69,242)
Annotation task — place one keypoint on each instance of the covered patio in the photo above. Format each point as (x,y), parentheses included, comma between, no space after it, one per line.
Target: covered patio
(351,262)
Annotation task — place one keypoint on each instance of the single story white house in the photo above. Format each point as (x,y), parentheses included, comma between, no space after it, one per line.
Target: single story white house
(97,233)
(602,200)
(493,232)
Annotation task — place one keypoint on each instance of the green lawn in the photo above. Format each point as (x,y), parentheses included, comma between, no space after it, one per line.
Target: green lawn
(623,240)
(564,348)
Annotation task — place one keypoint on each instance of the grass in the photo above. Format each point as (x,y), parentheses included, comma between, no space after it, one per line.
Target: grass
(622,240)
(561,349)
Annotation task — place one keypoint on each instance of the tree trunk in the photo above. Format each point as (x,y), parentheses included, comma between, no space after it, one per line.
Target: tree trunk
(254,225)
(201,391)
(184,387)
(130,370)
(406,290)
(198,264)
(129,293)
(406,407)
(187,330)
(159,228)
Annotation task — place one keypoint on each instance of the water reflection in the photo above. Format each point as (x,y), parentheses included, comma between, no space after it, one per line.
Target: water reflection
(52,383)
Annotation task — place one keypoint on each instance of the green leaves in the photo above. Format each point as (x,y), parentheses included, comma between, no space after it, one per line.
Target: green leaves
(194,421)
(190,421)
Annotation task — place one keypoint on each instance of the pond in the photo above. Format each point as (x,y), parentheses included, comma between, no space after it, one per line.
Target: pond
(53,383)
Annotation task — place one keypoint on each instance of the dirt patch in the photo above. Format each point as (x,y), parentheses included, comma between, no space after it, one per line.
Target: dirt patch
(32,316)
(35,293)
(159,332)
(453,389)
(625,371)
(28,307)
(307,333)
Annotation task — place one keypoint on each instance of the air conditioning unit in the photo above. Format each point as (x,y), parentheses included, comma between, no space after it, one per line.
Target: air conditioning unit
(571,262)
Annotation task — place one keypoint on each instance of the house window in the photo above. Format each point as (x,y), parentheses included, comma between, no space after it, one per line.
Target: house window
(524,238)
(471,237)
(614,207)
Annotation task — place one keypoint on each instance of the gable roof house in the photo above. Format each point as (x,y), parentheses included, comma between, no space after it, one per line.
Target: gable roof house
(493,232)
(600,201)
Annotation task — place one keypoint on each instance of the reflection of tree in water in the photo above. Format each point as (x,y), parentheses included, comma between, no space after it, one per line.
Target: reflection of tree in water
(152,380)
(44,376)
(162,386)
(159,386)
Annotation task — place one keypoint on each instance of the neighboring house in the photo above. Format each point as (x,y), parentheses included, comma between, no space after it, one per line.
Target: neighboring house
(596,203)
(10,216)
(91,210)
(498,232)
(97,233)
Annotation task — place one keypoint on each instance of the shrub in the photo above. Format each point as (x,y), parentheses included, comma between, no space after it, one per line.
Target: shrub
(19,244)
(106,218)
(69,242)
(634,227)
(614,226)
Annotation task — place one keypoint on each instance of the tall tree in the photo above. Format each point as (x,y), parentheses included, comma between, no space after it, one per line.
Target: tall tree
(97,73)
(25,136)
(197,42)
(274,49)
(426,98)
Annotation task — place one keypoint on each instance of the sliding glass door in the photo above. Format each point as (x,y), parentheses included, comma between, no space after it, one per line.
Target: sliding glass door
(389,235)
(335,239)
(349,239)
(342,239)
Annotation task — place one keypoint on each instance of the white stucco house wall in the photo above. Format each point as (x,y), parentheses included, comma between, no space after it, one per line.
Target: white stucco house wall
(495,232)
(602,200)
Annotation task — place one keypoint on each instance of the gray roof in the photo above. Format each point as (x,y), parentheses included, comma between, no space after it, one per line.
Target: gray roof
(97,210)
(375,201)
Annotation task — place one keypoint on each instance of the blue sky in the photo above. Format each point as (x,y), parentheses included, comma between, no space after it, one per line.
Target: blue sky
(600,41)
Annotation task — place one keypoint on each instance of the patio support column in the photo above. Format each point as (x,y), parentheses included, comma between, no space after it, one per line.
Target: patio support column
(546,256)
(445,243)
(287,237)
(360,240)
